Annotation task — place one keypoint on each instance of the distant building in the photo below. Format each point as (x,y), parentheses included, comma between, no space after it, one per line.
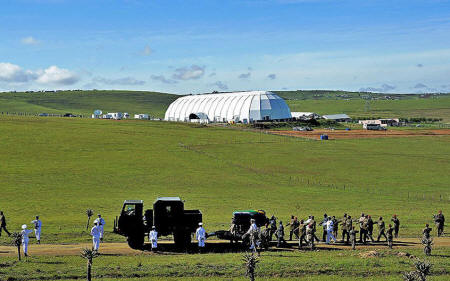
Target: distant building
(245,107)
(381,122)
(113,115)
(304,115)
(337,117)
(141,116)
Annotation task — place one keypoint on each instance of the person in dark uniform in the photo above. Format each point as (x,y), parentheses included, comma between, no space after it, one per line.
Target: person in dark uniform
(427,231)
(390,236)
(324,226)
(3,224)
(370,224)
(280,235)
(396,222)
(273,227)
(352,234)
(439,220)
(381,229)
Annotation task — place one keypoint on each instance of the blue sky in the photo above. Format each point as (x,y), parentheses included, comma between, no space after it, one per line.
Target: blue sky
(187,46)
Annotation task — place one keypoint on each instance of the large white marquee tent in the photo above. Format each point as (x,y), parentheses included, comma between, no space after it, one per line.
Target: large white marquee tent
(245,107)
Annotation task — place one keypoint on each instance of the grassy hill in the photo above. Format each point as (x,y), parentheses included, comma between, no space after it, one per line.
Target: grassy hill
(323,102)
(85,102)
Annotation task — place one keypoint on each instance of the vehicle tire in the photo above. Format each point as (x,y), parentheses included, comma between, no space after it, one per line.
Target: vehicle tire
(136,242)
(182,239)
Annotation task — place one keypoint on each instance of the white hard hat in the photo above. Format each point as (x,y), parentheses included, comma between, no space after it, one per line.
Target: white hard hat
(200,223)
(24,226)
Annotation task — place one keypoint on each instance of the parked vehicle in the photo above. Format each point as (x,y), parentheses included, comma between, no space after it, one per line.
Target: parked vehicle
(168,216)
(375,127)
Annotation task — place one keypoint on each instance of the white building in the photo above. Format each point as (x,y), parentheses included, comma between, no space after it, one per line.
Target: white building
(141,116)
(245,107)
(113,115)
(305,115)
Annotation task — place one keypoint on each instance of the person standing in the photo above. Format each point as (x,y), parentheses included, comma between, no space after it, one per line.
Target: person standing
(344,227)
(370,224)
(381,229)
(291,227)
(3,224)
(253,233)
(95,233)
(352,234)
(100,223)
(153,238)
(324,226)
(390,236)
(439,220)
(330,227)
(200,235)
(426,231)
(37,229)
(348,226)
(273,226)
(294,224)
(25,238)
(302,234)
(313,223)
(280,235)
(361,227)
(310,236)
(396,222)
(335,227)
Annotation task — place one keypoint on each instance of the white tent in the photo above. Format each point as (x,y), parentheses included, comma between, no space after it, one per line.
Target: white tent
(224,107)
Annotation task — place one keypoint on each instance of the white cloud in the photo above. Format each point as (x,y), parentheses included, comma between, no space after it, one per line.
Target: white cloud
(189,73)
(57,76)
(30,41)
(119,81)
(163,79)
(12,73)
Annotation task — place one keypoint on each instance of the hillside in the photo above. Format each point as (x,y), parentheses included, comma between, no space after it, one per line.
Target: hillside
(85,102)
(322,102)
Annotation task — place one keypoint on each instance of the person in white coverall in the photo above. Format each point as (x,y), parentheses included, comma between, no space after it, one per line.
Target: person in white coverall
(95,232)
(25,238)
(37,228)
(200,234)
(153,238)
(101,223)
(330,235)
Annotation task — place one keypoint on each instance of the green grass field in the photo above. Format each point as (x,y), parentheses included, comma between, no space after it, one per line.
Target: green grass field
(58,168)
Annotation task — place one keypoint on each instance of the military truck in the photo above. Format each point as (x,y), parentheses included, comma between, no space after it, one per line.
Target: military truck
(168,216)
(241,224)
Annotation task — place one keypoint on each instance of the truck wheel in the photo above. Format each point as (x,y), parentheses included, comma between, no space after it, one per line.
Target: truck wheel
(182,239)
(136,242)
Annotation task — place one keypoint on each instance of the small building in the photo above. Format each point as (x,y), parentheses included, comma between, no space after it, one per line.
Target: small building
(113,115)
(337,117)
(381,122)
(304,115)
(141,116)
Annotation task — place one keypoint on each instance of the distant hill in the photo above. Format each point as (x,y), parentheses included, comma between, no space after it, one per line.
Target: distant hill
(85,102)
(356,104)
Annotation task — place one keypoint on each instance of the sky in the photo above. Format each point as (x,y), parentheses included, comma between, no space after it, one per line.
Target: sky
(199,46)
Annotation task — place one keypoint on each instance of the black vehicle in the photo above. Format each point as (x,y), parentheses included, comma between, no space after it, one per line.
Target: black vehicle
(69,115)
(168,216)
(241,225)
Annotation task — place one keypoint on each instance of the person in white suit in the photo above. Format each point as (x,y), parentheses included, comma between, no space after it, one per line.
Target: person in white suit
(37,229)
(329,229)
(200,234)
(95,233)
(25,238)
(153,238)
(100,223)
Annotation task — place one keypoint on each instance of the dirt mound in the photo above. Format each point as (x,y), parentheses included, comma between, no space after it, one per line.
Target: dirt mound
(370,254)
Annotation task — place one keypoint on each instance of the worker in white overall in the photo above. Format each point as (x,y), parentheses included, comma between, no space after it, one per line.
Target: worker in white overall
(330,226)
(101,223)
(37,228)
(95,232)
(25,238)
(200,234)
(153,238)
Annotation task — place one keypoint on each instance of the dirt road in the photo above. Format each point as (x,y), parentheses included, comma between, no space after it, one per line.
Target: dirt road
(215,246)
(355,134)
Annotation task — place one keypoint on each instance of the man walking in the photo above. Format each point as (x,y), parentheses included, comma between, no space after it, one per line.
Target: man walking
(324,226)
(381,229)
(396,222)
(95,233)
(426,231)
(370,224)
(293,228)
(353,237)
(101,223)
(280,235)
(335,227)
(390,236)
(302,234)
(273,226)
(439,220)
(330,226)
(25,238)
(37,229)
(200,235)
(153,238)
(3,224)
(362,234)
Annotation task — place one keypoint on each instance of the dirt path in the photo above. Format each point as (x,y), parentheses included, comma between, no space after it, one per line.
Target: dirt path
(355,134)
(213,246)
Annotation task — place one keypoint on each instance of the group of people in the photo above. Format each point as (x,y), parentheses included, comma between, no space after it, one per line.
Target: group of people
(37,225)
(200,235)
